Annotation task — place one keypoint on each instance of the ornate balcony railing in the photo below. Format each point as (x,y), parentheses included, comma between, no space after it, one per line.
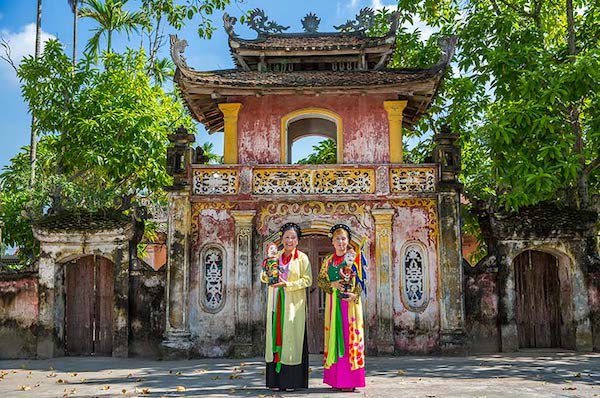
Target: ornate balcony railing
(262,180)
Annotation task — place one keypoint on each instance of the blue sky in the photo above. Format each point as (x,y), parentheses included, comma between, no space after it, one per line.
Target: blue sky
(17,27)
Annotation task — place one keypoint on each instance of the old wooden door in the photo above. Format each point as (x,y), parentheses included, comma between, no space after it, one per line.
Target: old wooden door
(89,306)
(537,300)
(317,248)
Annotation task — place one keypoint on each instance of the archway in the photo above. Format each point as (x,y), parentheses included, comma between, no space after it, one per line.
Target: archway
(89,303)
(537,301)
(312,122)
(316,247)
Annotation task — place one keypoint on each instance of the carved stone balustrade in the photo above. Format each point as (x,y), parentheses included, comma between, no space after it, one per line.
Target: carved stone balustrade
(254,182)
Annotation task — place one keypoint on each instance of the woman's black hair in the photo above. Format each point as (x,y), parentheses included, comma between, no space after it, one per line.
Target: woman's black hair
(291,225)
(340,226)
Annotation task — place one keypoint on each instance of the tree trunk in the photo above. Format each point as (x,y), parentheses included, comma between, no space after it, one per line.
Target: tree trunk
(574,115)
(75,6)
(33,140)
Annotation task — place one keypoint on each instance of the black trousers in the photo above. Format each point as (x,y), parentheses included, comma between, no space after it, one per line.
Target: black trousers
(290,376)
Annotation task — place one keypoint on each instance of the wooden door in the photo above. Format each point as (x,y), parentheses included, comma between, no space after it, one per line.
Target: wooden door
(79,312)
(89,306)
(537,300)
(317,248)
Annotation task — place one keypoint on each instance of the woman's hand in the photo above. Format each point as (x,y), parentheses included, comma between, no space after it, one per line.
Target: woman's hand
(336,285)
(282,283)
(349,297)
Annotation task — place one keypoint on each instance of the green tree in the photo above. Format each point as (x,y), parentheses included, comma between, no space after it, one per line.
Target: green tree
(104,138)
(523,94)
(325,152)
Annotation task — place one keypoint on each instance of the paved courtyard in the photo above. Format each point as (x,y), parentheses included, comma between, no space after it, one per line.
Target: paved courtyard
(524,374)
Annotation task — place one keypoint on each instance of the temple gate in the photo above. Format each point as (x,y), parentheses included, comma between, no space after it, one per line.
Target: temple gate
(221,217)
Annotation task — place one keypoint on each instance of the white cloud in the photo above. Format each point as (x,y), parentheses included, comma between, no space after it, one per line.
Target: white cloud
(378,5)
(22,43)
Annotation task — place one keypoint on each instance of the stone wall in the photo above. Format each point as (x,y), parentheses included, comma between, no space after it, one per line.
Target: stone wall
(481,309)
(146,310)
(18,314)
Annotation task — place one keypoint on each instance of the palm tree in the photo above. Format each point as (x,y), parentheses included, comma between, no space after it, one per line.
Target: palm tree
(111,17)
(208,149)
(33,138)
(74,5)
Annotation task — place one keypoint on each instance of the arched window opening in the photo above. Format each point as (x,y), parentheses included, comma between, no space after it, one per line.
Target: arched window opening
(313,136)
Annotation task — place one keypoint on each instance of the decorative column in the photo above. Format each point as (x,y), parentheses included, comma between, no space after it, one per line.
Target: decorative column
(230,144)
(243,281)
(177,341)
(452,309)
(383,259)
(48,346)
(395,111)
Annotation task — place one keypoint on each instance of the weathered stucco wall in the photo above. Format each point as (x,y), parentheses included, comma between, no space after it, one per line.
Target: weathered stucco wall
(212,333)
(18,314)
(481,310)
(364,122)
(146,309)
(415,331)
(594,297)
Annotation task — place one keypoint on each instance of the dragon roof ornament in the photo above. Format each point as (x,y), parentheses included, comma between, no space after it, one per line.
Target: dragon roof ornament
(259,22)
(177,50)
(365,20)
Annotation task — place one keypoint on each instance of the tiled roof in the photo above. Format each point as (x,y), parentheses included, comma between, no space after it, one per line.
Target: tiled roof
(303,41)
(84,221)
(309,79)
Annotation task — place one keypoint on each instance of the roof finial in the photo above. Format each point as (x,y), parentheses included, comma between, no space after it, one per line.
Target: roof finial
(259,22)
(365,20)
(228,22)
(311,22)
(177,50)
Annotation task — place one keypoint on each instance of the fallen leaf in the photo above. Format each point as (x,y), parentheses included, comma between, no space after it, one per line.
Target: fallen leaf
(73,374)
(235,377)
(569,388)
(145,391)
(180,388)
(200,370)
(578,375)
(401,372)
(124,391)
(309,370)
(50,368)
(129,375)
(59,381)
(138,380)
(51,374)
(24,388)
(170,371)
(178,373)
(105,388)
(232,390)
(215,378)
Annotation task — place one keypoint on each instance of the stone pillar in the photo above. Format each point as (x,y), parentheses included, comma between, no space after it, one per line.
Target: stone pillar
(121,309)
(47,346)
(243,281)
(230,143)
(177,341)
(383,261)
(395,111)
(452,309)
